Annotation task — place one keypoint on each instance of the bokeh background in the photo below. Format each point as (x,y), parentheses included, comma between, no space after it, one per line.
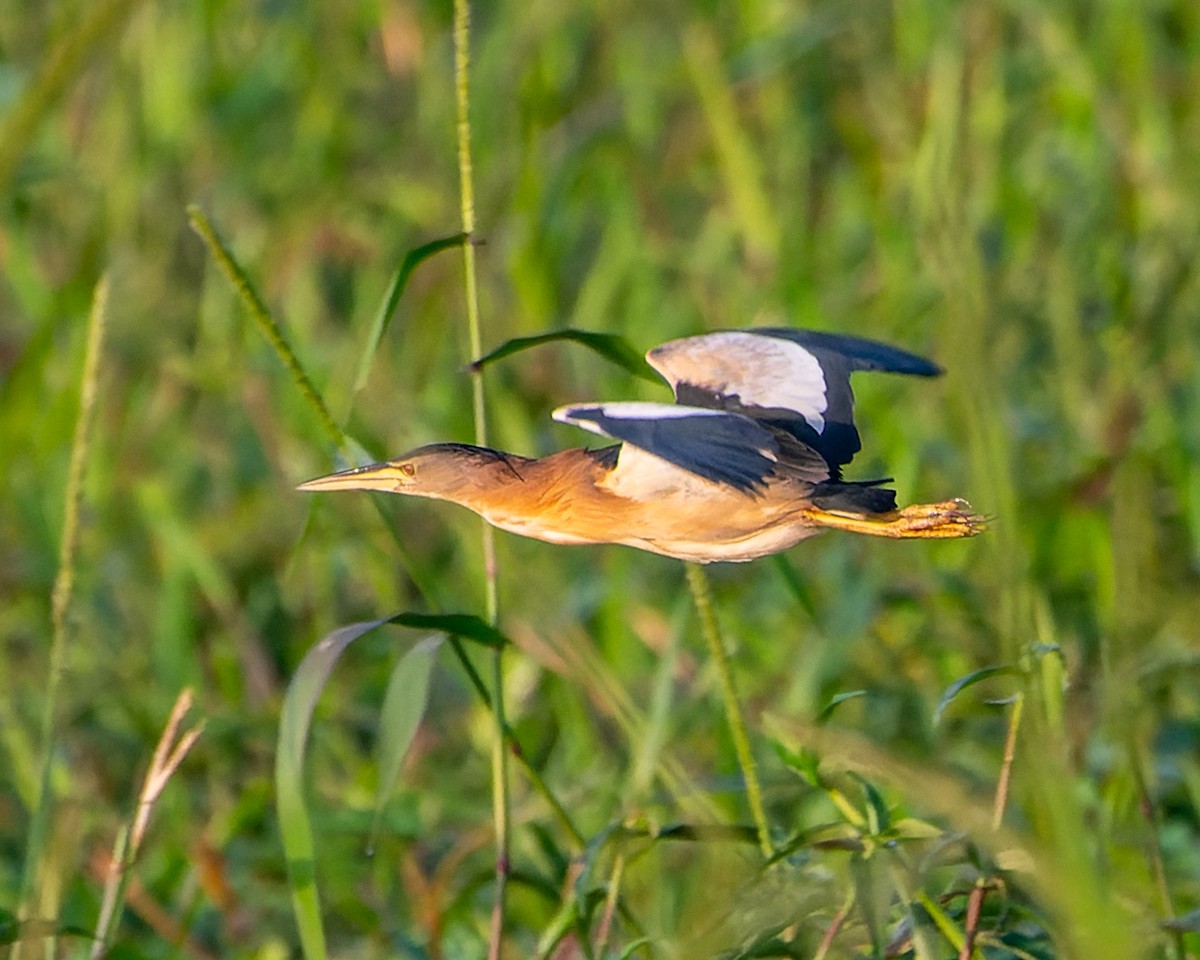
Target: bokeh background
(1011,188)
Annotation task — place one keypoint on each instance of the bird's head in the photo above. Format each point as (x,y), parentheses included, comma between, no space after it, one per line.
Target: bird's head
(444,471)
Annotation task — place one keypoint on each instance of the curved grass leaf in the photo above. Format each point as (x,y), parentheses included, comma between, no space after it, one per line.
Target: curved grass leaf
(591,870)
(608,345)
(561,924)
(942,920)
(295,719)
(558,859)
(634,947)
(403,707)
(294,825)
(879,817)
(911,828)
(961,684)
(383,318)
(827,710)
(465,625)
(803,762)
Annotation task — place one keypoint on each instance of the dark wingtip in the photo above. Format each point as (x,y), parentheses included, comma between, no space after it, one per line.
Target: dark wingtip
(923,368)
(863,354)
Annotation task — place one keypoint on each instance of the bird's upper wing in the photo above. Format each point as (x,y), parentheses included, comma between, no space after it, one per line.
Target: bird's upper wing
(797,380)
(713,444)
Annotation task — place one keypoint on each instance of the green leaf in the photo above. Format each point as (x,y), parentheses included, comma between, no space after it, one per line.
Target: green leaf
(867,900)
(949,929)
(391,299)
(633,947)
(298,706)
(591,870)
(465,625)
(961,684)
(879,817)
(559,859)
(804,762)
(910,828)
(403,707)
(608,345)
(827,710)
(560,925)
(294,824)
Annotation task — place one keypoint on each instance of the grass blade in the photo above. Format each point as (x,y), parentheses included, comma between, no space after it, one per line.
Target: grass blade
(383,318)
(60,602)
(403,707)
(501,804)
(610,346)
(294,825)
(464,625)
(302,695)
(879,817)
(948,928)
(961,684)
(702,597)
(269,328)
(836,701)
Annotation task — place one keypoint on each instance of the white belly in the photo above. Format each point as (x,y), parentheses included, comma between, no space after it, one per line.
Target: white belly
(751,547)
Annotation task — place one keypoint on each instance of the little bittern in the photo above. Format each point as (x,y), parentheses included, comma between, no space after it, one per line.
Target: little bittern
(747,461)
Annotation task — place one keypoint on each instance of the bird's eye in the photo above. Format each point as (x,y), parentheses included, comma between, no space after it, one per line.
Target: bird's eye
(408,469)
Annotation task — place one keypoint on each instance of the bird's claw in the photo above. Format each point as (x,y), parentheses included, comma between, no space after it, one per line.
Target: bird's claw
(928,521)
(947,519)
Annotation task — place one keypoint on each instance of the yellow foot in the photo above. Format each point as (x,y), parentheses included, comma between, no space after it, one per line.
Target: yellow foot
(945,520)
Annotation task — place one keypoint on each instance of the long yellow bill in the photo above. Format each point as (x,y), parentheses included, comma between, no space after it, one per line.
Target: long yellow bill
(374,476)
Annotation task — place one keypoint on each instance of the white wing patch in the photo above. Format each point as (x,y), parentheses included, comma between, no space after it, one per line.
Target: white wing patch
(630,410)
(718,445)
(761,371)
(640,475)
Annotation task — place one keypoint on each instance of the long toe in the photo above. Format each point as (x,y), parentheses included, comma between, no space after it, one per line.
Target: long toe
(942,521)
(948,519)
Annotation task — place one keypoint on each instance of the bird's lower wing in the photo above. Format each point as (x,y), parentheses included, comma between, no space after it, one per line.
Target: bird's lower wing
(713,445)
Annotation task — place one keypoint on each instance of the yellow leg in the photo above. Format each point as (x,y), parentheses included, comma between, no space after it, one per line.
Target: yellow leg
(945,520)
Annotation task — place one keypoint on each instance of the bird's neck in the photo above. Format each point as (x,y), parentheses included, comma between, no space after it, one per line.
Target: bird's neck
(536,496)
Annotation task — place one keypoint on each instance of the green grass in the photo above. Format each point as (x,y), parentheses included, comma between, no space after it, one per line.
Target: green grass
(1011,189)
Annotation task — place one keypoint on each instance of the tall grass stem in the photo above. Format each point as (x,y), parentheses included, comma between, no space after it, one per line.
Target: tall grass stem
(60,603)
(1006,765)
(267,325)
(702,597)
(535,778)
(500,800)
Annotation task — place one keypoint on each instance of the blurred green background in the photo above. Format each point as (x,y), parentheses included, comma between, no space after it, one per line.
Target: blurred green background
(1010,188)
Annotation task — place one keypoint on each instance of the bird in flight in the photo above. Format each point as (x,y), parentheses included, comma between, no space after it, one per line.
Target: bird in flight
(747,462)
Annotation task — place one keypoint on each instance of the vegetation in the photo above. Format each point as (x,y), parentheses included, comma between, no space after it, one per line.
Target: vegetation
(985,748)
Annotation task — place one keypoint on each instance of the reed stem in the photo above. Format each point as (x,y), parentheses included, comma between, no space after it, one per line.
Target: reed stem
(702,597)
(500,799)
